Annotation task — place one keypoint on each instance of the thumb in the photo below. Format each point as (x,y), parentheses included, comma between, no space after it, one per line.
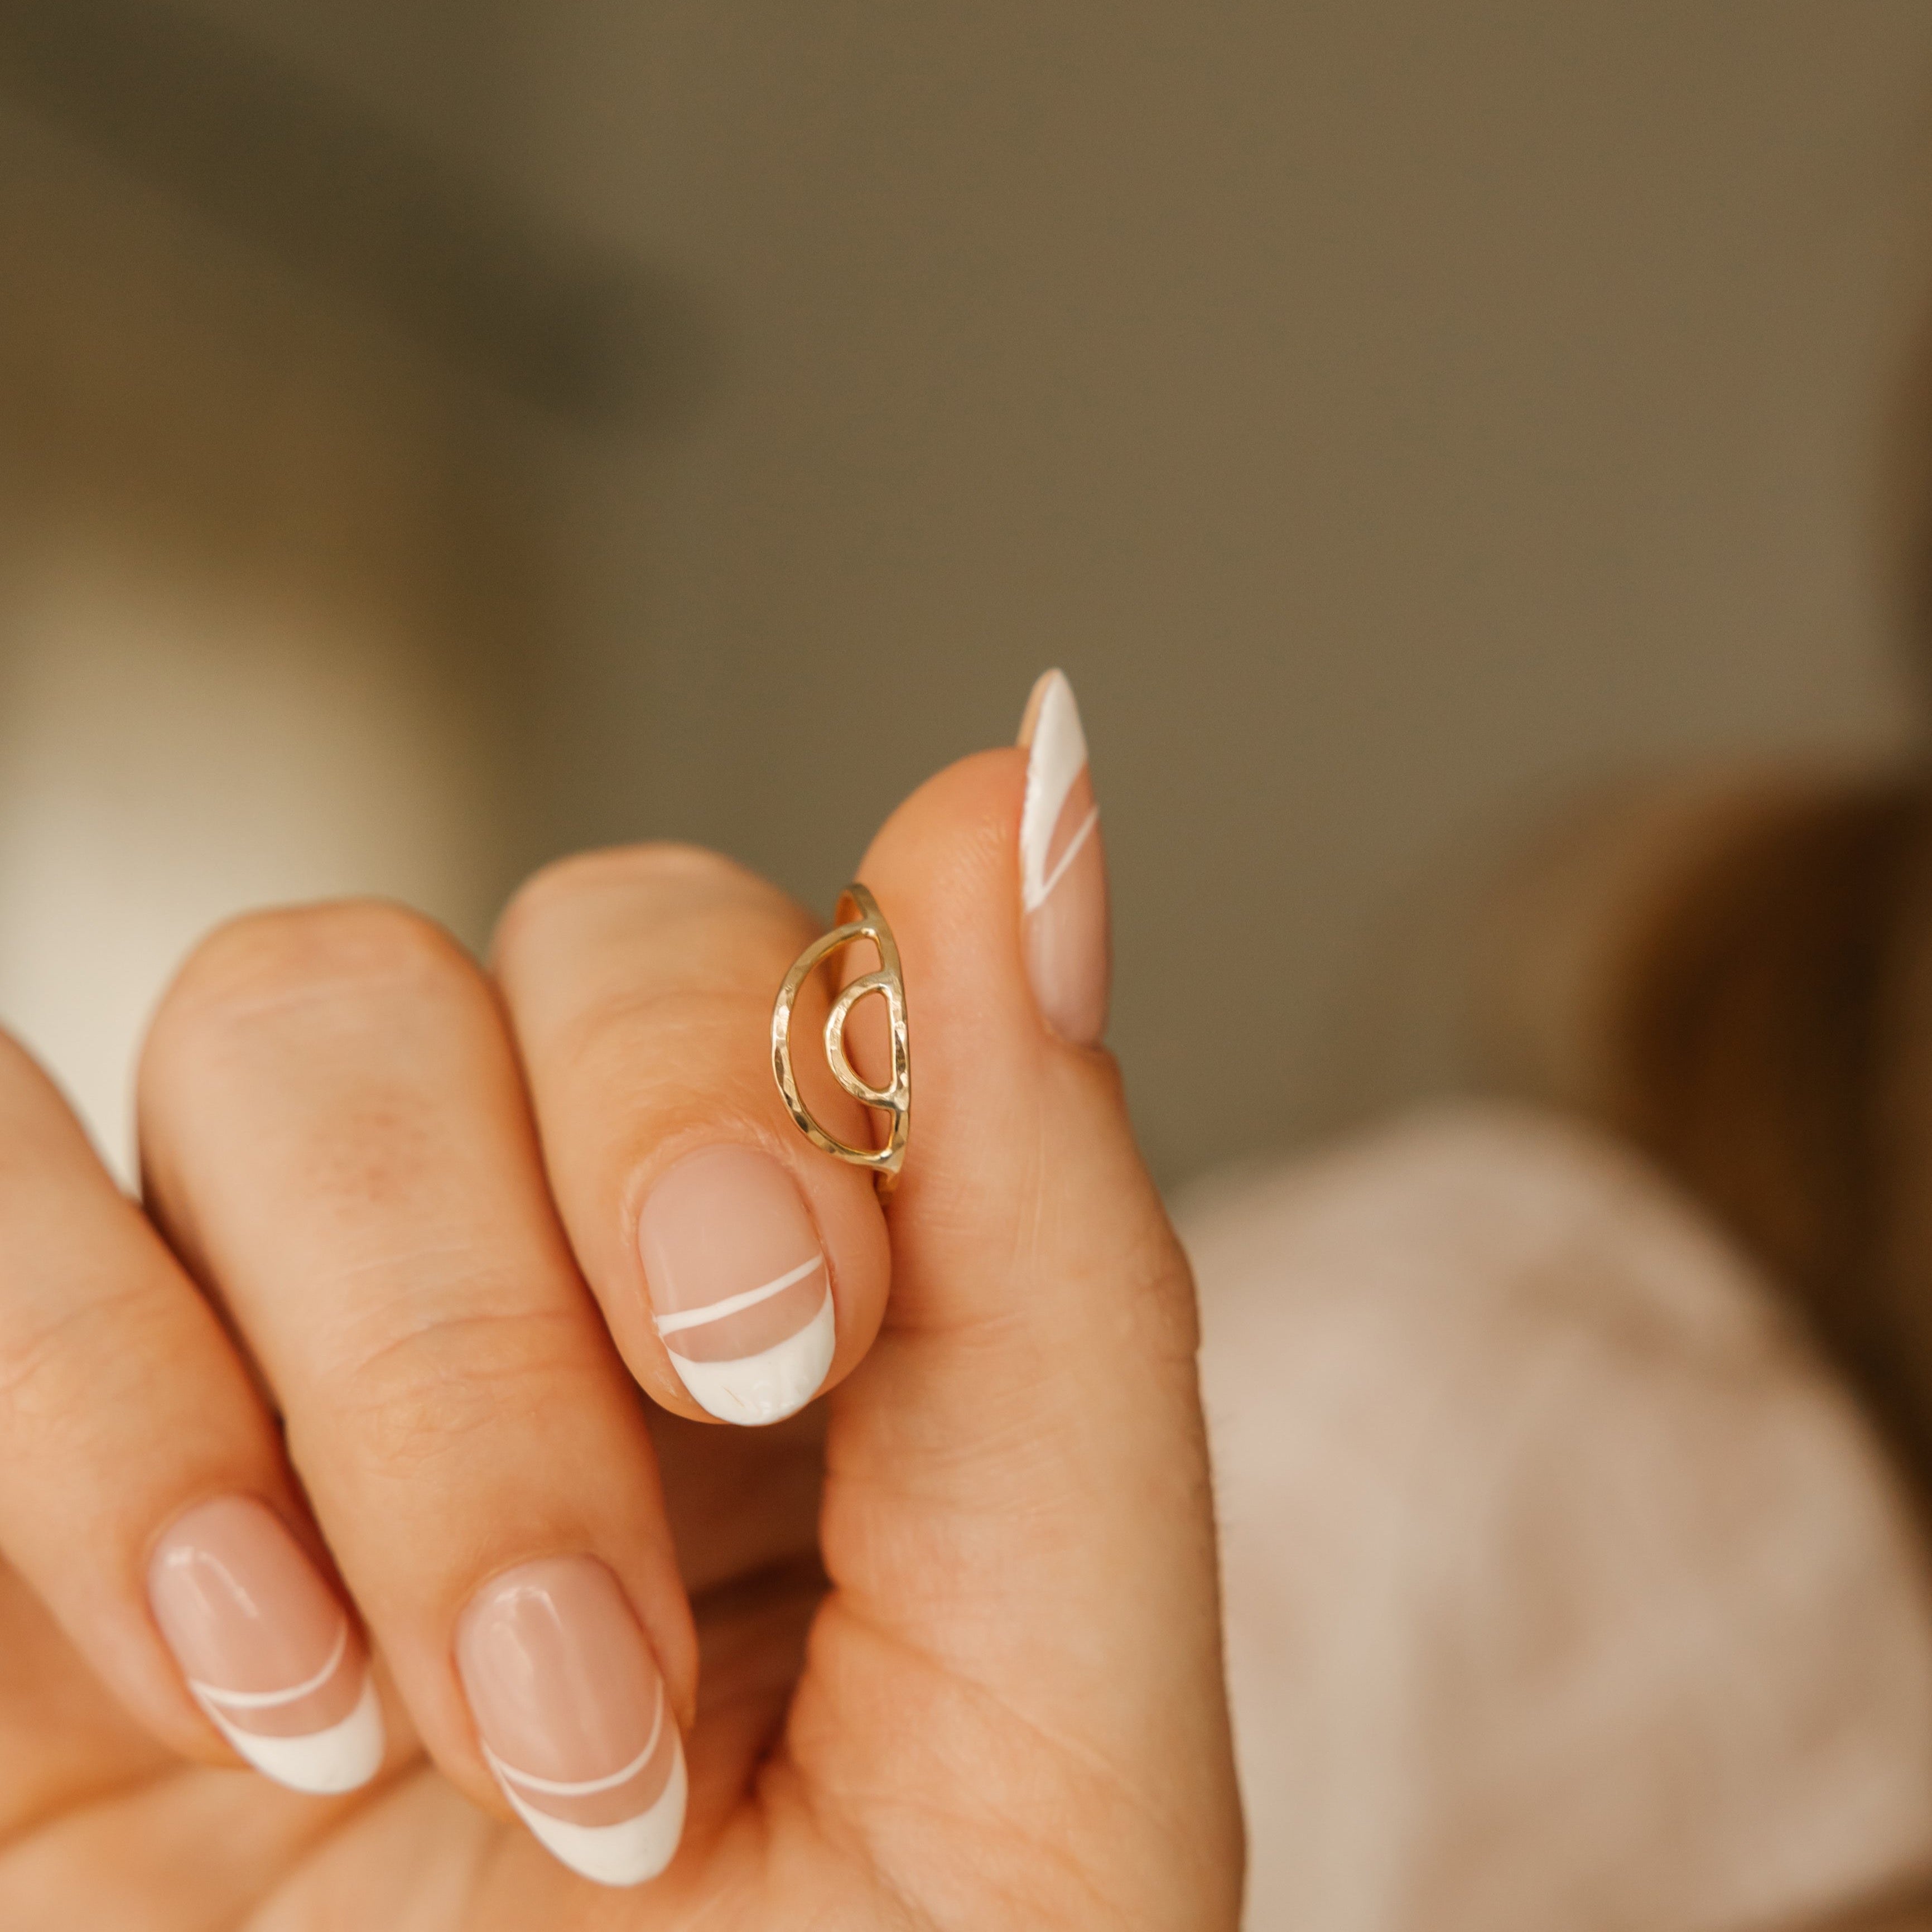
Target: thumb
(1018,1489)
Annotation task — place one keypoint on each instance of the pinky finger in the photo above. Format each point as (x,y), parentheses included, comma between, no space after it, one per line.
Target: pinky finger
(143,1494)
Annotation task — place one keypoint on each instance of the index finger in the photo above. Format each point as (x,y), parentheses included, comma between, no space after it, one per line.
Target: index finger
(740,1271)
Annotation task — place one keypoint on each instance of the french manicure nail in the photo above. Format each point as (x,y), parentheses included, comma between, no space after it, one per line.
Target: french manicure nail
(571,1708)
(1062,872)
(269,1652)
(738,1285)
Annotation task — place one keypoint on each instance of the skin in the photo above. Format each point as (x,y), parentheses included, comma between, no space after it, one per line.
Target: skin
(945,1646)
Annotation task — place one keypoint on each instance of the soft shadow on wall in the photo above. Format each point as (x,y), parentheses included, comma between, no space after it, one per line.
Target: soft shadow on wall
(1390,419)
(267,582)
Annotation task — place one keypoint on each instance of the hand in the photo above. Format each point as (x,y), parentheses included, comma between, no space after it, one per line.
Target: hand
(345,1430)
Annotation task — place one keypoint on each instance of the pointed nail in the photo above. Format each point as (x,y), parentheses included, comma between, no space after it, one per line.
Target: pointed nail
(268,1651)
(1063,871)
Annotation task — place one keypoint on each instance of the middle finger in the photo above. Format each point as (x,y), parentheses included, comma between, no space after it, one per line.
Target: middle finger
(741,1271)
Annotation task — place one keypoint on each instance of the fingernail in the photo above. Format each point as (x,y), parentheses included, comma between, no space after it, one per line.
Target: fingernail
(1063,871)
(267,1648)
(738,1285)
(570,1707)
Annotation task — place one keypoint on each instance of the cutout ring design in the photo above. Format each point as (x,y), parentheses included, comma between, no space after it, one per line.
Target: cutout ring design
(861,919)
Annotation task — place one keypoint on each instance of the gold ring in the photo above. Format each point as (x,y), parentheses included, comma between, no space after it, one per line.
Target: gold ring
(896,1100)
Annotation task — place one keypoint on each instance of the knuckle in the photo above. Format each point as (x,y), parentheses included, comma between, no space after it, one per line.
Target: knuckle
(652,1038)
(268,963)
(653,876)
(59,1364)
(424,1399)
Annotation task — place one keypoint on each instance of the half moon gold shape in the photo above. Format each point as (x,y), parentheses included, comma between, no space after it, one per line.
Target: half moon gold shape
(861,919)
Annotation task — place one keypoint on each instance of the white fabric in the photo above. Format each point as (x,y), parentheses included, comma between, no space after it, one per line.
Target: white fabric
(1564,1587)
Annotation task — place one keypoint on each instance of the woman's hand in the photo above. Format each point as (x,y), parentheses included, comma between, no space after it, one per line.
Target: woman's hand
(362,1383)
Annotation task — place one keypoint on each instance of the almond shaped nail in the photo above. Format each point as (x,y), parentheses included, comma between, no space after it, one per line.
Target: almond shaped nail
(268,1650)
(572,1710)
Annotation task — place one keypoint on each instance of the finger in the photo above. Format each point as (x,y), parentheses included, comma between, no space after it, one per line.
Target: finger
(336,1134)
(740,1271)
(1016,1500)
(143,1489)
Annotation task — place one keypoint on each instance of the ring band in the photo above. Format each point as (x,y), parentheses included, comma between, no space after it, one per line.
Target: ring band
(867,921)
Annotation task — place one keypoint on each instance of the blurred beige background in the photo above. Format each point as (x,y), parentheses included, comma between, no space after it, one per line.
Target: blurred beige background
(1394,418)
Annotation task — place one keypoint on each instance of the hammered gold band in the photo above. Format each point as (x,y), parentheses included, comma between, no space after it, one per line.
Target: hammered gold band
(867,923)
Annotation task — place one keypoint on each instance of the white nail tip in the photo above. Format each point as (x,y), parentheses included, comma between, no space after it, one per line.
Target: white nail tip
(342,1758)
(627,1853)
(1055,758)
(768,1386)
